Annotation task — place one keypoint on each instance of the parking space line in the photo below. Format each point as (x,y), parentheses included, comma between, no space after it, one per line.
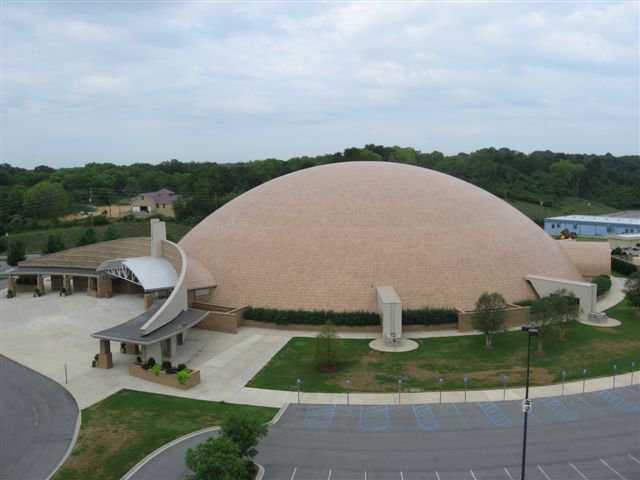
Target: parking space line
(401,476)
(582,475)
(634,458)
(293,474)
(621,477)
(508,473)
(329,477)
(544,474)
(473,475)
(437,476)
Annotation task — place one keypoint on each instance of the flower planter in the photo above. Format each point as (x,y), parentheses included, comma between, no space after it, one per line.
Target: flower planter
(167,379)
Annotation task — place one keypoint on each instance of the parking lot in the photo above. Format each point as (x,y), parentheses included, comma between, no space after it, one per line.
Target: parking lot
(582,437)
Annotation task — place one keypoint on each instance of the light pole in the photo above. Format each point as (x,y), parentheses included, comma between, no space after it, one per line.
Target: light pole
(440,382)
(633,368)
(466,382)
(299,382)
(348,382)
(505,380)
(399,389)
(615,370)
(584,379)
(564,379)
(526,404)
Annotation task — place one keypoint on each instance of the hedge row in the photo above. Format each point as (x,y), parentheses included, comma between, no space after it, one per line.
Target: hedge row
(603,283)
(422,316)
(312,317)
(429,316)
(622,267)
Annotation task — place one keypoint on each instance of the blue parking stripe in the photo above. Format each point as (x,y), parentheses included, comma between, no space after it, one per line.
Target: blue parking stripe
(495,415)
(425,417)
(559,409)
(319,417)
(374,418)
(618,402)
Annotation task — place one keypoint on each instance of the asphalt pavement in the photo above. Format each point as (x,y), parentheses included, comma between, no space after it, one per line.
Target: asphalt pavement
(593,436)
(37,423)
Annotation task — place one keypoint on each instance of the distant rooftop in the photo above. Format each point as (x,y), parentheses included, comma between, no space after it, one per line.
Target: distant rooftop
(596,219)
(162,196)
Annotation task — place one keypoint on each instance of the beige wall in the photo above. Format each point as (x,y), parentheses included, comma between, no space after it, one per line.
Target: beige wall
(165,209)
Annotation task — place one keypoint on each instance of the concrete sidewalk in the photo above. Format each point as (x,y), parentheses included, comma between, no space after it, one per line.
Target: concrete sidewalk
(614,296)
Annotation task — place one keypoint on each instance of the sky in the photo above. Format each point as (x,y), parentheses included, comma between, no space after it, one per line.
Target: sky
(125,82)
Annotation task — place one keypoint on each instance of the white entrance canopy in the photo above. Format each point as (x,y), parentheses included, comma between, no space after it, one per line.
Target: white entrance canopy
(390,308)
(151,273)
(585,292)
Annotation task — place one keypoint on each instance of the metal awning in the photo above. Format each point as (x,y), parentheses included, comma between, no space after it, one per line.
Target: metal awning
(130,331)
(151,273)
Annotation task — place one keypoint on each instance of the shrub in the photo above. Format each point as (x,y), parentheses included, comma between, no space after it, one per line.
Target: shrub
(603,283)
(99,220)
(16,252)
(632,288)
(150,363)
(622,267)
(429,316)
(3,243)
(245,431)
(54,244)
(110,234)
(183,376)
(217,458)
(523,303)
(156,369)
(182,366)
(87,238)
(166,365)
(312,317)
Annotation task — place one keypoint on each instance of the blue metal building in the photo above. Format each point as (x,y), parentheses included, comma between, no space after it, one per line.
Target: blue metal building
(591,225)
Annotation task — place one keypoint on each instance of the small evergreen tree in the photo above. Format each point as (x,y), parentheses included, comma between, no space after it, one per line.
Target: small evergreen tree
(54,244)
(326,347)
(110,234)
(87,238)
(217,459)
(17,252)
(489,316)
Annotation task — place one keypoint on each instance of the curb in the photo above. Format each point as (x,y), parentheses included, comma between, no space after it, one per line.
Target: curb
(166,446)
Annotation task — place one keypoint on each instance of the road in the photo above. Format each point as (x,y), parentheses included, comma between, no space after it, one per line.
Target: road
(593,436)
(37,423)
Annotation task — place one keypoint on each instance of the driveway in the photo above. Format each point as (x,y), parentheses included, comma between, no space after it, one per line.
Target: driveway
(37,424)
(577,437)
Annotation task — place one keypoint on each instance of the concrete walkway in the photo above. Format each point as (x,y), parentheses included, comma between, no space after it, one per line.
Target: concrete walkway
(613,297)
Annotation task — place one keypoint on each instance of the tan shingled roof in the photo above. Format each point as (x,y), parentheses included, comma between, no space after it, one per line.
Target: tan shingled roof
(326,237)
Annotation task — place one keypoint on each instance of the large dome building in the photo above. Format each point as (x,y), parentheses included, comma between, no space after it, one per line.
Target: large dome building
(327,237)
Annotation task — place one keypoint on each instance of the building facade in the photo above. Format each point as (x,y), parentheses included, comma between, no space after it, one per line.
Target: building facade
(591,225)
(154,203)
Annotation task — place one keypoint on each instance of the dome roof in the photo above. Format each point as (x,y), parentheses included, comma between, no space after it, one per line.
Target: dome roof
(326,237)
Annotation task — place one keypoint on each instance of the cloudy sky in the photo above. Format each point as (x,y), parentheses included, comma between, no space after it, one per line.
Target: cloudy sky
(230,81)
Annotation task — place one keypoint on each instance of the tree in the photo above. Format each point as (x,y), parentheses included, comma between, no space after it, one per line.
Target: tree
(87,238)
(54,244)
(16,253)
(632,288)
(245,431)
(3,243)
(46,200)
(217,459)
(326,347)
(552,314)
(110,234)
(489,315)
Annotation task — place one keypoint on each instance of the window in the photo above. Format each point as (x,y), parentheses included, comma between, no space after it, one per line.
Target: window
(164,205)
(157,205)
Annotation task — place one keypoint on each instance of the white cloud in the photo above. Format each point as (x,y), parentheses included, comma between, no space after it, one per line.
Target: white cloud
(319,73)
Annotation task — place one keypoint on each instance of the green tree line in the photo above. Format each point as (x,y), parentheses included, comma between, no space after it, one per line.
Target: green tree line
(541,177)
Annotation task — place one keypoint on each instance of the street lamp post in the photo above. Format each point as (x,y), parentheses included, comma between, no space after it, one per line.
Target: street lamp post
(526,404)
(299,382)
(348,382)
(399,389)
(440,382)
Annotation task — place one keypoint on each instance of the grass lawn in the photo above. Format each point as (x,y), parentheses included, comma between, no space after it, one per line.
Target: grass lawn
(121,430)
(36,240)
(564,206)
(596,349)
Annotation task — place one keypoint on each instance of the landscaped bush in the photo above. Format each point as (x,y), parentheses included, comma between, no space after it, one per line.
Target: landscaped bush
(183,376)
(524,303)
(429,316)
(603,283)
(312,317)
(622,267)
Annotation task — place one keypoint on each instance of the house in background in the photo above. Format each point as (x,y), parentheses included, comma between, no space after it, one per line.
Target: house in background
(154,203)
